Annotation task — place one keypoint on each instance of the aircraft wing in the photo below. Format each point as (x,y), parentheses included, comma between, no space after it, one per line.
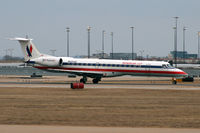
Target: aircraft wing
(80,73)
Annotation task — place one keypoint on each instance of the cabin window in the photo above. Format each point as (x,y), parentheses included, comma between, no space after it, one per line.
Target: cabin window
(149,66)
(113,65)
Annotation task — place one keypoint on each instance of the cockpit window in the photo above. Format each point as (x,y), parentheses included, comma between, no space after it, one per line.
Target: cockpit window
(167,66)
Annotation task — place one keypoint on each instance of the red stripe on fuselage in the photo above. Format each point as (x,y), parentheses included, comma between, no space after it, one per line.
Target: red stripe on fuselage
(113,70)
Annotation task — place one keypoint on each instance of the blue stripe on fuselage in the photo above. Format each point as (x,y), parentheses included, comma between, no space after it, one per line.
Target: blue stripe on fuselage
(112,65)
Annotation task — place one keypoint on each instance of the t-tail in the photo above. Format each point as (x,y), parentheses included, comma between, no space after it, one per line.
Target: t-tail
(28,48)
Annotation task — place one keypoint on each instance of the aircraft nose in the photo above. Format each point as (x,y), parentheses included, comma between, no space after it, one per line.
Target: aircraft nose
(185,74)
(182,73)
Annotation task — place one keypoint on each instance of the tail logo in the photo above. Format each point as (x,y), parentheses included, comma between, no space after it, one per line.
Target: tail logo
(29,50)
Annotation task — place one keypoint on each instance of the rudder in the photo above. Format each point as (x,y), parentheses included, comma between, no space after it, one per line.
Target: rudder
(28,48)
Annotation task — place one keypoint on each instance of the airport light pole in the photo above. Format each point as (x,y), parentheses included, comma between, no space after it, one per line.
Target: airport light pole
(11,51)
(141,53)
(103,33)
(6,51)
(53,51)
(112,43)
(175,42)
(132,43)
(184,29)
(88,29)
(174,56)
(68,30)
(199,45)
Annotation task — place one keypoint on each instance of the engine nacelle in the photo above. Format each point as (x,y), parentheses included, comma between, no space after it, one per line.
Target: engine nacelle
(49,61)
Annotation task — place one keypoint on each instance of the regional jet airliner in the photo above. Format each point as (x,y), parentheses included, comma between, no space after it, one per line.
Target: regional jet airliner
(95,68)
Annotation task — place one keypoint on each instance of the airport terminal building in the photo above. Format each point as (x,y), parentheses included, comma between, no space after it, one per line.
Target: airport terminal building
(183,54)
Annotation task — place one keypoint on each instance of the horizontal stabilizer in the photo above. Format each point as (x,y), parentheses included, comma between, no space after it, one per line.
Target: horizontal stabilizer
(20,39)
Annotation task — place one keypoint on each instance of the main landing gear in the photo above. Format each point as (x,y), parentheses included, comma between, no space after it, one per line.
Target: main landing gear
(83,80)
(96,80)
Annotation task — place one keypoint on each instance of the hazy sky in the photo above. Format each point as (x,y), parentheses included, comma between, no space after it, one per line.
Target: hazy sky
(45,21)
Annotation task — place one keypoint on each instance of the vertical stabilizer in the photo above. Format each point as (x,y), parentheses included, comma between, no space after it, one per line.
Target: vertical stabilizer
(28,48)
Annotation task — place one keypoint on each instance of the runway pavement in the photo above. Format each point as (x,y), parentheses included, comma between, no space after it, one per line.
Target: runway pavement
(27,99)
(74,129)
(106,83)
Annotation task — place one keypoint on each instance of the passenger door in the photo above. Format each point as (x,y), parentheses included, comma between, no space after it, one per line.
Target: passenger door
(148,69)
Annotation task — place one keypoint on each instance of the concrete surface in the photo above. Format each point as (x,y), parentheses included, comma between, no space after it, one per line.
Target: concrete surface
(74,129)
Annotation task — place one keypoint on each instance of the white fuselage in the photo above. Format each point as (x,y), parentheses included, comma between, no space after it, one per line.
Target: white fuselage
(107,68)
(95,68)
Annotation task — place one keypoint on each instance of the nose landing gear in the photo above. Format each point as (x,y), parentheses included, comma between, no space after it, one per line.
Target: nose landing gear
(174,81)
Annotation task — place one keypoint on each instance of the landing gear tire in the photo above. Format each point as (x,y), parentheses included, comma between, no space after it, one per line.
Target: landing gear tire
(83,80)
(174,82)
(95,81)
